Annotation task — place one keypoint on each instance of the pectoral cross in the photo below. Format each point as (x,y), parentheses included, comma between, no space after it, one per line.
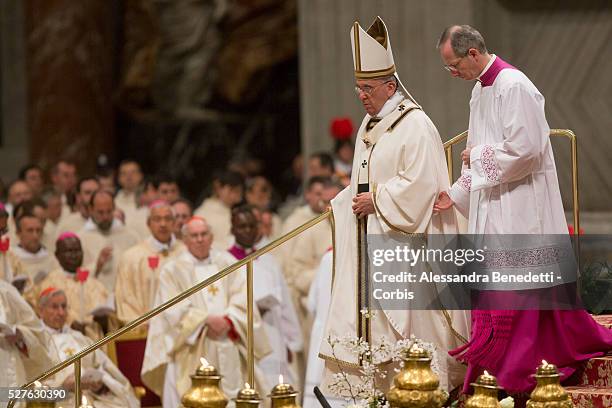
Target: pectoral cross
(213,290)
(70,351)
(364,164)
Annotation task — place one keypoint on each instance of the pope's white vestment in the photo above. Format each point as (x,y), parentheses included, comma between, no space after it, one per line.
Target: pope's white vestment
(177,338)
(401,159)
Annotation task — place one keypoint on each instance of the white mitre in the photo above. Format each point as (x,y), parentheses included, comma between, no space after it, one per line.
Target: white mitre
(372,54)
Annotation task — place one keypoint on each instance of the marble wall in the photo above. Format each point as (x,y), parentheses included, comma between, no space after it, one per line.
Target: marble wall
(70,59)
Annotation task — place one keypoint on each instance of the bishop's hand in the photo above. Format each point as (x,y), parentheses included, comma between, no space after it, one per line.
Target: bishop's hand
(217,327)
(443,202)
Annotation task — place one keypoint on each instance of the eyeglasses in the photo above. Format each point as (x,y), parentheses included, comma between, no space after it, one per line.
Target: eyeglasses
(453,67)
(368,90)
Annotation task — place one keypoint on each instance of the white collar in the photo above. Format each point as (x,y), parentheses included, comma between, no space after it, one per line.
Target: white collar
(51,330)
(195,261)
(160,246)
(25,254)
(486,68)
(390,105)
(69,275)
(91,226)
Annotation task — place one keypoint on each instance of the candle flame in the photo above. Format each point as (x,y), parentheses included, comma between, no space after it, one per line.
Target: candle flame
(280,379)
(544,363)
(84,401)
(37,384)
(247,386)
(486,372)
(204,362)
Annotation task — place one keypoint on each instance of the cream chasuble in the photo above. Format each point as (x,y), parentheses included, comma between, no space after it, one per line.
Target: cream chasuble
(402,161)
(120,238)
(177,338)
(10,266)
(36,266)
(138,276)
(20,364)
(117,391)
(219,218)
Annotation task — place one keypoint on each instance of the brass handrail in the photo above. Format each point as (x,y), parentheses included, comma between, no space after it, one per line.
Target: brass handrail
(448,147)
(76,359)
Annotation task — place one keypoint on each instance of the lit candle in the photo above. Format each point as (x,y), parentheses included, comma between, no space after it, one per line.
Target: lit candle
(204,363)
(280,379)
(247,386)
(84,403)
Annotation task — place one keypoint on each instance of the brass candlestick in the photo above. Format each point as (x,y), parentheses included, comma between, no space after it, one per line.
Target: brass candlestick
(416,385)
(205,391)
(283,395)
(548,392)
(485,393)
(40,403)
(247,398)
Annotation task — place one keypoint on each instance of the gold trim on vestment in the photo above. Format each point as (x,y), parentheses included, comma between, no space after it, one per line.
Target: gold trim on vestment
(391,226)
(402,116)
(357,46)
(332,221)
(359,74)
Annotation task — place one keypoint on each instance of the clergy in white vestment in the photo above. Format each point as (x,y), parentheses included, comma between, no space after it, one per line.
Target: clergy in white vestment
(105,239)
(76,221)
(90,302)
(36,260)
(508,185)
(139,266)
(271,296)
(64,180)
(217,209)
(399,168)
(102,383)
(130,178)
(23,340)
(10,266)
(211,323)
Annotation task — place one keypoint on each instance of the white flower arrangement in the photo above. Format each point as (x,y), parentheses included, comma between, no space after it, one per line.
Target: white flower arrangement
(366,393)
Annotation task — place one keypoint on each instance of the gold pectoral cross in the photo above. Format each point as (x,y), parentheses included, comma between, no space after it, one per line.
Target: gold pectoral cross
(213,290)
(70,351)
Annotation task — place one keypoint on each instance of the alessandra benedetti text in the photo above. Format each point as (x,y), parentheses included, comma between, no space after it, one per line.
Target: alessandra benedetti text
(473,277)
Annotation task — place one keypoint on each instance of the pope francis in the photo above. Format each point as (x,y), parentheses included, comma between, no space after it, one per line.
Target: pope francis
(398,170)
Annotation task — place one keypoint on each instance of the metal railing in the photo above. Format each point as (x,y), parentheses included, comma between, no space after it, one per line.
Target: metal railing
(448,147)
(248,261)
